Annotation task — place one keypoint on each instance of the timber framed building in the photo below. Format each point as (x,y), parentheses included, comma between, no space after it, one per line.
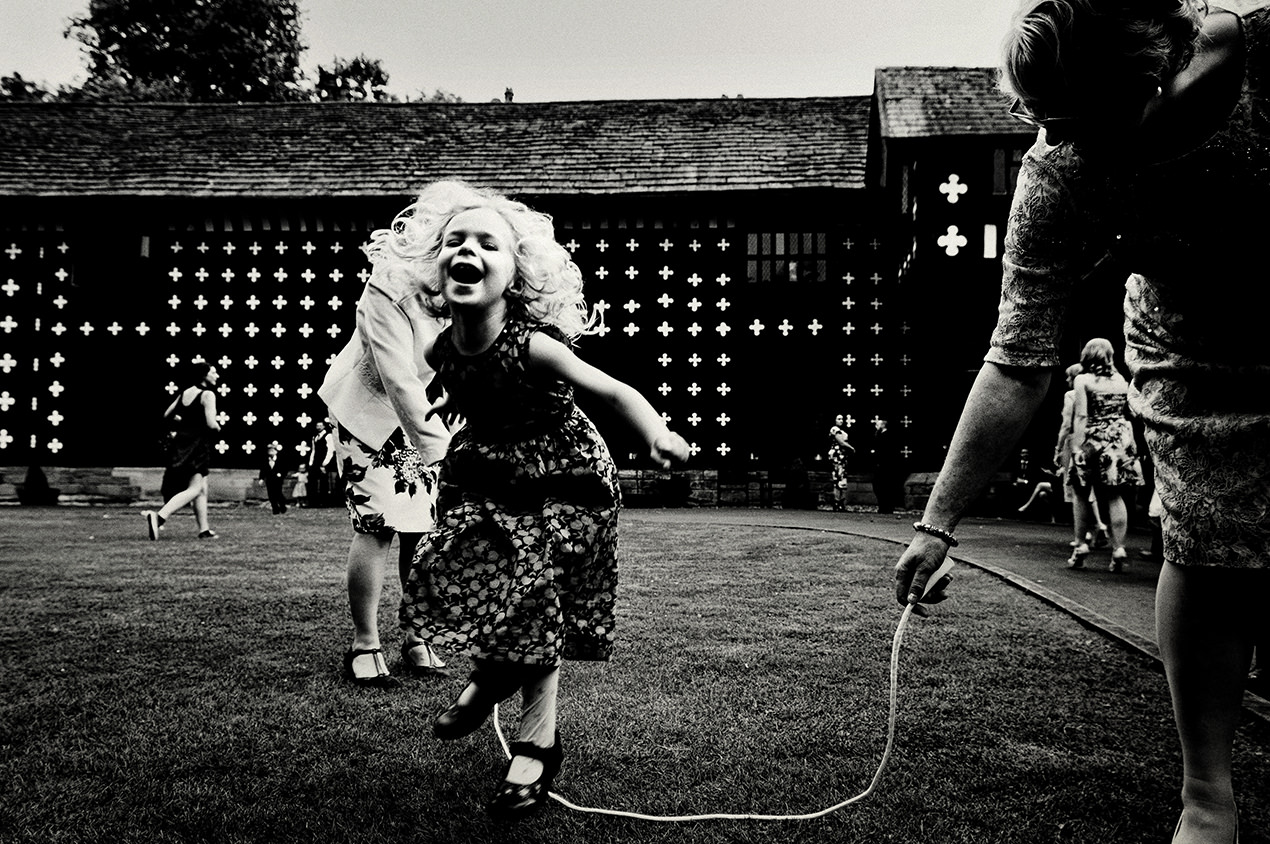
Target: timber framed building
(761,264)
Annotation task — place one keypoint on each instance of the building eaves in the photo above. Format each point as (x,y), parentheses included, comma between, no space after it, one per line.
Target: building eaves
(927,102)
(365,149)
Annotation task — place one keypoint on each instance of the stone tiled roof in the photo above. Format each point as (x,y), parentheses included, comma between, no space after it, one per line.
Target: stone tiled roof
(346,149)
(924,102)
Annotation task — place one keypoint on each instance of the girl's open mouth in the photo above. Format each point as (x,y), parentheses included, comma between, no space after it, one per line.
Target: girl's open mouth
(465,273)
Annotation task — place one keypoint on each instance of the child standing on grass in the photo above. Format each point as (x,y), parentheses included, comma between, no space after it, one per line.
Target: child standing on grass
(300,492)
(521,570)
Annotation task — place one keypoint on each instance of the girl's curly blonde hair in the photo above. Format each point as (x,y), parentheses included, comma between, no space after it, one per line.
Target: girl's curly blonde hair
(548,285)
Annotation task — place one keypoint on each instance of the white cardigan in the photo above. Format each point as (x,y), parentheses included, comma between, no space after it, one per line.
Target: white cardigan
(378,381)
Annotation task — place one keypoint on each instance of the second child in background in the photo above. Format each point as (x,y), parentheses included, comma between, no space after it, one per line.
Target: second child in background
(273,474)
(300,492)
(521,571)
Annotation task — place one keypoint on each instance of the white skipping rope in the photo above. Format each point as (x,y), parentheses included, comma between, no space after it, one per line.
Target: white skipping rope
(877,777)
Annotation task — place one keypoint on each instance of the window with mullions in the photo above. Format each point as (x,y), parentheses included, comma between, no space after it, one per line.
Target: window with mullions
(786,256)
(1005,170)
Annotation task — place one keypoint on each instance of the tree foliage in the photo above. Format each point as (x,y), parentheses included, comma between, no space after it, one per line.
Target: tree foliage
(440,95)
(16,89)
(206,51)
(191,50)
(357,80)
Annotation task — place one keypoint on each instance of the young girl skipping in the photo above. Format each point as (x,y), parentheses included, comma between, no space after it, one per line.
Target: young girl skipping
(521,570)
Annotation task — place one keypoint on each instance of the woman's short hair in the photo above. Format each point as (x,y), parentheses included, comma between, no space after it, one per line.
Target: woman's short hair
(1057,53)
(197,370)
(1098,356)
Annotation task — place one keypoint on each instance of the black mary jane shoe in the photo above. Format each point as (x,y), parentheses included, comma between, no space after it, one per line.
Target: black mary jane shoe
(462,719)
(513,800)
(381,679)
(412,667)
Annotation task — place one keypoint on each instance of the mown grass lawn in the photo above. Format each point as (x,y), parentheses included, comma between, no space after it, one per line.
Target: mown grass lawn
(189,691)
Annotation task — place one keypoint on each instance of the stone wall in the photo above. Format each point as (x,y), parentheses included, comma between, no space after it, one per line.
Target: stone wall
(640,487)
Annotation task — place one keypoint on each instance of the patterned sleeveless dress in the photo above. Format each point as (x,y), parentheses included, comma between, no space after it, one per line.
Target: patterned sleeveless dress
(1189,233)
(1110,433)
(522,566)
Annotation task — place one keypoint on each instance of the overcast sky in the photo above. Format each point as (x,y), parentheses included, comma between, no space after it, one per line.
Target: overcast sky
(593,49)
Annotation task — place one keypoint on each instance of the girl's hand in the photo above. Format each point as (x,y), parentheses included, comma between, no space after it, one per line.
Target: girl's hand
(669,448)
(443,408)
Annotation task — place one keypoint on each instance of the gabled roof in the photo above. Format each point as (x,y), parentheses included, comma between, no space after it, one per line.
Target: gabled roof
(359,149)
(925,102)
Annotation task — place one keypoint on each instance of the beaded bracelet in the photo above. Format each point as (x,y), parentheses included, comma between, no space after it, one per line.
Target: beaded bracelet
(922,527)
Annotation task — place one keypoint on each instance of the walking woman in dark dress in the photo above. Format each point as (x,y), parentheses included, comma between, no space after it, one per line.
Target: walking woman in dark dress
(193,417)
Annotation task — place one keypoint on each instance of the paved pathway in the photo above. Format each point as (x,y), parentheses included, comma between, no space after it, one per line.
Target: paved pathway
(1029,556)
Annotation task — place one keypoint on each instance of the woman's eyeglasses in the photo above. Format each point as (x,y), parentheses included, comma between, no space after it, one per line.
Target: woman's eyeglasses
(1055,126)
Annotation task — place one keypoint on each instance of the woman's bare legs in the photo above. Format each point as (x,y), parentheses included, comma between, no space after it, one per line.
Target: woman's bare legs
(200,507)
(367,557)
(197,487)
(1117,517)
(1082,519)
(1206,623)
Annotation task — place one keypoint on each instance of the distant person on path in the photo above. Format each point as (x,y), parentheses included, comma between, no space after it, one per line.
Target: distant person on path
(888,478)
(522,569)
(1104,453)
(839,448)
(388,450)
(1087,525)
(192,415)
(1153,147)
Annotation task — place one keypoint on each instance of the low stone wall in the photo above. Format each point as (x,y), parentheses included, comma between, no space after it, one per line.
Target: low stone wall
(125,485)
(640,487)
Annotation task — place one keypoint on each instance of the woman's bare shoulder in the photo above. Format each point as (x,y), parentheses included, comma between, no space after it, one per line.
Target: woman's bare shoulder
(1241,7)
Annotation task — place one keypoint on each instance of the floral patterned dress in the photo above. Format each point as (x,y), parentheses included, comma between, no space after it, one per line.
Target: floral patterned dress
(837,459)
(522,566)
(1109,433)
(1190,234)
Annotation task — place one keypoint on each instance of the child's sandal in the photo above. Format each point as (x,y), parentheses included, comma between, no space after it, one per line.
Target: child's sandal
(515,800)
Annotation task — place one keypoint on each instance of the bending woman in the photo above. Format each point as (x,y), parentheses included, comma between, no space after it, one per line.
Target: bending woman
(1153,145)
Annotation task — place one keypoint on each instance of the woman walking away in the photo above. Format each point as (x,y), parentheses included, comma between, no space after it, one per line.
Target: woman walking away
(1103,452)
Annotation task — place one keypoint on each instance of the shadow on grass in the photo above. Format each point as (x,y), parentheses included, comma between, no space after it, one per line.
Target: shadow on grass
(189,691)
